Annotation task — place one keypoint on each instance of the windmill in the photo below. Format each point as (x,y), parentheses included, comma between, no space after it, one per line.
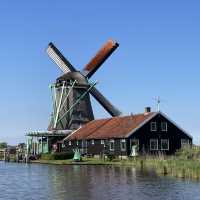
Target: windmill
(71,91)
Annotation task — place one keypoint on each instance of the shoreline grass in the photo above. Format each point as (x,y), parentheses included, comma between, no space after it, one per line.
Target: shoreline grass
(170,166)
(184,164)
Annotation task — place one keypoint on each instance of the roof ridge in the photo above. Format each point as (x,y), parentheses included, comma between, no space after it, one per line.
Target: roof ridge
(115,117)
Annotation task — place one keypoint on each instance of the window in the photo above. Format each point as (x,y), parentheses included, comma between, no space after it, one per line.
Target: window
(185,143)
(123,144)
(70,143)
(112,145)
(134,142)
(77,142)
(164,144)
(153,126)
(163,126)
(153,144)
(102,141)
(92,142)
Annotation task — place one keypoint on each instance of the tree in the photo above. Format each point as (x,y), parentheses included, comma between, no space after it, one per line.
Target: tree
(3,145)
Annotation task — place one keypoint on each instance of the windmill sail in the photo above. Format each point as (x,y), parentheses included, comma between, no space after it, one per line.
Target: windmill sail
(113,111)
(100,58)
(71,100)
(59,59)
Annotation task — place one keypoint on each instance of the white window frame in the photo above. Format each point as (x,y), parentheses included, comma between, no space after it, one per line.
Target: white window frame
(121,146)
(102,142)
(136,141)
(70,143)
(156,145)
(164,126)
(92,142)
(163,140)
(153,124)
(185,144)
(112,141)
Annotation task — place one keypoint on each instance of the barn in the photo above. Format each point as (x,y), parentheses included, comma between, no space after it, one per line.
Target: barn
(150,132)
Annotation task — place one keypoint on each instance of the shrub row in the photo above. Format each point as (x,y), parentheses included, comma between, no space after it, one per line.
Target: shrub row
(57,156)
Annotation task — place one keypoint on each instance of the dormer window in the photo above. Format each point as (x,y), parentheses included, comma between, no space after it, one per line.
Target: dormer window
(163,126)
(153,126)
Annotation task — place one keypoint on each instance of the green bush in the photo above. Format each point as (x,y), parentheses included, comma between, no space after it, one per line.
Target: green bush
(57,156)
(110,157)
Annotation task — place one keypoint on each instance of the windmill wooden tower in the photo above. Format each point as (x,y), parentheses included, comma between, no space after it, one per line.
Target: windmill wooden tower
(71,91)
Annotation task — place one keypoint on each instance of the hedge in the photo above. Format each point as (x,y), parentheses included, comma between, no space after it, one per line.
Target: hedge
(57,156)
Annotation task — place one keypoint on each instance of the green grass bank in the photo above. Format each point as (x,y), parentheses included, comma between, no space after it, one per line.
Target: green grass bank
(184,164)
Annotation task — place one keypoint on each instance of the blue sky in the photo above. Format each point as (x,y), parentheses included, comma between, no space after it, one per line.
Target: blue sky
(159,55)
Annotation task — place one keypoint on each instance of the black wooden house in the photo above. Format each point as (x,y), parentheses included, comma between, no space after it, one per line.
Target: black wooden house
(151,132)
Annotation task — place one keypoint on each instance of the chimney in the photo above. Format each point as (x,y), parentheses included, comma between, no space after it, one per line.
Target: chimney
(147,110)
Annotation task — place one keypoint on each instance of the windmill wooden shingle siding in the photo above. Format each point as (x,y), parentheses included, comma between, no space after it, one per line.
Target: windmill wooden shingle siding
(153,132)
(71,101)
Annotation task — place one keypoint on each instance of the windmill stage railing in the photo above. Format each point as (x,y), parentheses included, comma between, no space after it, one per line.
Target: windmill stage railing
(59,100)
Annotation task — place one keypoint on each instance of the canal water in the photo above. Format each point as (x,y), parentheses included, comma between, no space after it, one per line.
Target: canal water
(39,181)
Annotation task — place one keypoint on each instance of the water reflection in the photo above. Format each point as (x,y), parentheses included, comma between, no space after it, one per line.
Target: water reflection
(19,181)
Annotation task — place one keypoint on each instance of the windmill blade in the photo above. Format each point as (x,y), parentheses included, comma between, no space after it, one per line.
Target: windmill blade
(100,58)
(104,102)
(59,59)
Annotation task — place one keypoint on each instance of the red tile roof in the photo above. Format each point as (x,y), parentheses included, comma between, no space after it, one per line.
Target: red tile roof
(116,127)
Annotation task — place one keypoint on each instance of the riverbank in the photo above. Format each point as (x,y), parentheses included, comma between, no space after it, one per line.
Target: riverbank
(85,161)
(171,166)
(185,164)
(189,169)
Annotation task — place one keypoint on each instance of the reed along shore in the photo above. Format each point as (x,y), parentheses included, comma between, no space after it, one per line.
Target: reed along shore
(184,164)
